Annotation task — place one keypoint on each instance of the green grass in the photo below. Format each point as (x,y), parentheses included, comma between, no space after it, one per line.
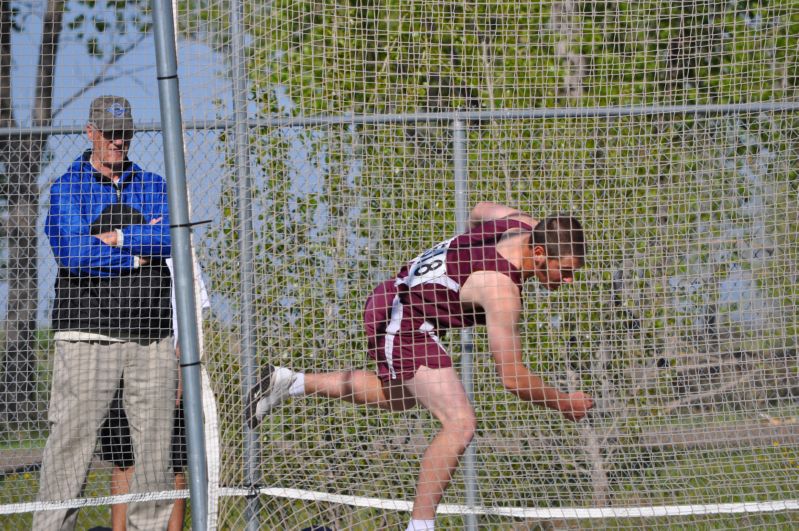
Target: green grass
(20,488)
(641,478)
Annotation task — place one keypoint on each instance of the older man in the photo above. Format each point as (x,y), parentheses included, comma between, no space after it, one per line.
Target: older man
(108,227)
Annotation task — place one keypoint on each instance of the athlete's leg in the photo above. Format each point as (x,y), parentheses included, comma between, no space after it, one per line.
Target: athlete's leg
(359,387)
(277,384)
(442,393)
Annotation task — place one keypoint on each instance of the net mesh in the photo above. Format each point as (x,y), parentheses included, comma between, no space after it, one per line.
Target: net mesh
(668,129)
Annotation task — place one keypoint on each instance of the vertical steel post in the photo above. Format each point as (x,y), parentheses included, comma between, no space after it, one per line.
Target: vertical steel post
(175,164)
(467,344)
(249,369)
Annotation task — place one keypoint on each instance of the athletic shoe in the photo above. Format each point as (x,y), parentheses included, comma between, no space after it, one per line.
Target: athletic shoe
(271,390)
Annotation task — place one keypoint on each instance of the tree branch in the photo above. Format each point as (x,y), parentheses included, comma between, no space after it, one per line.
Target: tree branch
(103,75)
(671,406)
(48,50)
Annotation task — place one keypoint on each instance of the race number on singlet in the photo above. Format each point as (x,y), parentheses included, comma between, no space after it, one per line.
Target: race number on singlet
(429,266)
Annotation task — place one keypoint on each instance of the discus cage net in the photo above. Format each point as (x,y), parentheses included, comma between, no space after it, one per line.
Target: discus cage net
(329,143)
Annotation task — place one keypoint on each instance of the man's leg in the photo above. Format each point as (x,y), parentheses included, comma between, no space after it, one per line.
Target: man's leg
(85,376)
(179,509)
(120,484)
(180,460)
(149,401)
(442,393)
(115,448)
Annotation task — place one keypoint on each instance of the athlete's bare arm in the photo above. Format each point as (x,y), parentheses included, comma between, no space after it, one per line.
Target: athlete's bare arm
(500,299)
(486,211)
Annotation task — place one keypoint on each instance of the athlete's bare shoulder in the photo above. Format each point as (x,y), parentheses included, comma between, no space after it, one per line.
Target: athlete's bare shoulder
(491,290)
(487,211)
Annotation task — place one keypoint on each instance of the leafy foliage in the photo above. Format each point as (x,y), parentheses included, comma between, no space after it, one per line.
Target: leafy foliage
(690,216)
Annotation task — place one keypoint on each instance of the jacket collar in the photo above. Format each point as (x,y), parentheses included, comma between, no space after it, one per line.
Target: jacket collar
(82,165)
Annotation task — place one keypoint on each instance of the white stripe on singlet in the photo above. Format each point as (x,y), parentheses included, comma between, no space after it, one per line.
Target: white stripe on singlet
(429,329)
(393,327)
(446,281)
(391,332)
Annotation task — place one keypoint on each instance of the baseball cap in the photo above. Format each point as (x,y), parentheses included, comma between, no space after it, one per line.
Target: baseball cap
(111,113)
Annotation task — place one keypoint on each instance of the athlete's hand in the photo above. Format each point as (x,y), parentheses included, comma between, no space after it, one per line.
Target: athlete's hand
(576,405)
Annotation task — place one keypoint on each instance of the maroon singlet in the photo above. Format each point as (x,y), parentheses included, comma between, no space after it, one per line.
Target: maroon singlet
(406,318)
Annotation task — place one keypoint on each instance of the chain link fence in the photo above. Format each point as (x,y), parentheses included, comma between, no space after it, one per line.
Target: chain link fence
(328,144)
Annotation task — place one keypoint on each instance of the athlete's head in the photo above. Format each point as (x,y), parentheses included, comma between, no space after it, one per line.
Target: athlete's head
(559,249)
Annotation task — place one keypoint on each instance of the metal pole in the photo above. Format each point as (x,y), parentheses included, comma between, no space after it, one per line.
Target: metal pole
(274,122)
(467,344)
(169,98)
(277,121)
(249,369)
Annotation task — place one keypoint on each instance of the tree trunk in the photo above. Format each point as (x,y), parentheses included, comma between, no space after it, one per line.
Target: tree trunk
(563,24)
(592,441)
(22,156)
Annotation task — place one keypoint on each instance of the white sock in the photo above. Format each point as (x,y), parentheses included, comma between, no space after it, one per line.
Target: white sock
(298,387)
(421,525)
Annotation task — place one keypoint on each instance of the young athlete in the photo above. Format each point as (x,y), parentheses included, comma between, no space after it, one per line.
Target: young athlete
(470,279)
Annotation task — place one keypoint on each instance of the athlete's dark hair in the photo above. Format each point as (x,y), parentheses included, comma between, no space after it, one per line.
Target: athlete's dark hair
(561,236)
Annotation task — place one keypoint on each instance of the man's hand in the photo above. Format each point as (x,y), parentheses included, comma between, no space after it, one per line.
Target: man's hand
(575,406)
(108,238)
(111,237)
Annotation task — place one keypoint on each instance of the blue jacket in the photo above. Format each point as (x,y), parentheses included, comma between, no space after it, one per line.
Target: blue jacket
(98,289)
(80,196)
